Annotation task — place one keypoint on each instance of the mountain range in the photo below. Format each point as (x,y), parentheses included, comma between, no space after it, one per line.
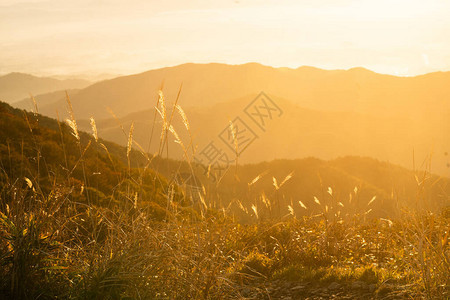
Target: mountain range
(17,86)
(357,90)
(359,184)
(325,113)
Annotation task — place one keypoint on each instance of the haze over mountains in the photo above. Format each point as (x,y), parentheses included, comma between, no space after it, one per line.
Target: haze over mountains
(297,133)
(44,99)
(326,114)
(357,89)
(17,86)
(393,186)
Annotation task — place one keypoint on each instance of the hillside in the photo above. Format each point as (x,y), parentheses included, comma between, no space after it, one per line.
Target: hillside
(353,182)
(87,219)
(37,148)
(312,176)
(43,99)
(301,132)
(17,86)
(224,150)
(357,90)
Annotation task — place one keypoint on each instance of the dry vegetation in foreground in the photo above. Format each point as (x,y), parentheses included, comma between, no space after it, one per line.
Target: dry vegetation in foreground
(143,237)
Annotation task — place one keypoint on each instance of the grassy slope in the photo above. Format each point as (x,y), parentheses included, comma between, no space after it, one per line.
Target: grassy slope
(57,243)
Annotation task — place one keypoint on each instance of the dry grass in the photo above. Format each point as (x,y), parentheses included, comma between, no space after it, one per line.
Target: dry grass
(53,244)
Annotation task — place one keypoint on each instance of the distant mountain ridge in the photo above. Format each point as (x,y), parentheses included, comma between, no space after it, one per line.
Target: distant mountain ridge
(299,132)
(356,89)
(44,99)
(17,86)
(327,113)
(311,176)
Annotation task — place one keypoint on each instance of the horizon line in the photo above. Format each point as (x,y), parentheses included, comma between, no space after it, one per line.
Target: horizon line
(80,75)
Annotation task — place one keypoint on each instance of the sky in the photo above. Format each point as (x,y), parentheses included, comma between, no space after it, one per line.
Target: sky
(48,37)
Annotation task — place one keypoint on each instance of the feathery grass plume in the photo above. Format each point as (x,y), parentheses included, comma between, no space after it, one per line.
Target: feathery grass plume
(130,140)
(234,136)
(183,117)
(242,206)
(135,200)
(417,180)
(355,190)
(291,210)
(330,191)
(36,111)
(72,122)
(265,200)
(275,184)
(175,134)
(286,179)
(169,122)
(367,212)
(255,210)
(188,128)
(257,178)
(163,114)
(316,200)
(254,180)
(73,126)
(29,183)
(340,204)
(236,150)
(154,120)
(163,130)
(373,199)
(180,142)
(302,204)
(94,129)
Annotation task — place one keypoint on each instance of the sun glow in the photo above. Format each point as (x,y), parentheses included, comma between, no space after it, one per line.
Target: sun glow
(52,37)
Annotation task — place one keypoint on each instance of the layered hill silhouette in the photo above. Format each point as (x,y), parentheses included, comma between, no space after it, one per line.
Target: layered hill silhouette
(393,186)
(326,114)
(17,86)
(297,133)
(357,90)
(349,184)
(44,99)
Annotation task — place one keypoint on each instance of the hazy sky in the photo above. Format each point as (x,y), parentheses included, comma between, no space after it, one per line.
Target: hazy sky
(93,36)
